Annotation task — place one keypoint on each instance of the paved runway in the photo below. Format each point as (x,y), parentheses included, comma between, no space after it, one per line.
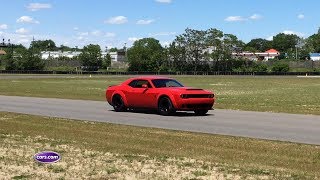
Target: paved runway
(273,126)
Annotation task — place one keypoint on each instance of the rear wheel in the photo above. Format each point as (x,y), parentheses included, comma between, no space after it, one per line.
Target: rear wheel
(165,106)
(118,104)
(201,112)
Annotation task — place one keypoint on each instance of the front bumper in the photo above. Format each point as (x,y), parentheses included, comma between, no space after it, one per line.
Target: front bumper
(195,104)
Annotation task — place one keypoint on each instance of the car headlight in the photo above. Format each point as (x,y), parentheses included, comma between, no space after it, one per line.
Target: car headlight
(184,96)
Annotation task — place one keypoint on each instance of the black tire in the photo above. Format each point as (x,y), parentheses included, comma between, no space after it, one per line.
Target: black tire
(118,104)
(165,107)
(200,112)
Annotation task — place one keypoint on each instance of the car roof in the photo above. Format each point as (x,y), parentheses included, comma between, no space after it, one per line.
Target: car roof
(146,78)
(150,77)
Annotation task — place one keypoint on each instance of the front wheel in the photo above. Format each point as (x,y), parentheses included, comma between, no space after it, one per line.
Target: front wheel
(118,104)
(165,107)
(200,112)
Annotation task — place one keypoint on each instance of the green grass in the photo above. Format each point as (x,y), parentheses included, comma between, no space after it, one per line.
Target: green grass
(243,155)
(253,93)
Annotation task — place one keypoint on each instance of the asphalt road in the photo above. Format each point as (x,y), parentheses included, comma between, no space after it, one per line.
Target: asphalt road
(273,126)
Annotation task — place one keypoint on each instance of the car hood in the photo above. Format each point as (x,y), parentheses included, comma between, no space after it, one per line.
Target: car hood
(188,90)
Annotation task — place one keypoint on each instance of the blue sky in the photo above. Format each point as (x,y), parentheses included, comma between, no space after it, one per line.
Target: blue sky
(114,23)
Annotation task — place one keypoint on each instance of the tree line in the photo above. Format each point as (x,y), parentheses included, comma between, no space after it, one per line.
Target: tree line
(193,50)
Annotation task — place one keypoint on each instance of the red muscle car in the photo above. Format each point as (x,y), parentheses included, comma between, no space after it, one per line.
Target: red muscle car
(161,93)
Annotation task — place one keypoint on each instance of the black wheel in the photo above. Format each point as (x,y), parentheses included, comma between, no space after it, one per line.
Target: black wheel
(201,112)
(165,106)
(118,103)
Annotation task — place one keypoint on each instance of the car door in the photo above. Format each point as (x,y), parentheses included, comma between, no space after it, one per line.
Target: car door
(130,93)
(140,96)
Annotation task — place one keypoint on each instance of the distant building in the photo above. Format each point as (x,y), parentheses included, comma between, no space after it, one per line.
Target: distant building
(119,56)
(270,54)
(57,54)
(315,56)
(2,52)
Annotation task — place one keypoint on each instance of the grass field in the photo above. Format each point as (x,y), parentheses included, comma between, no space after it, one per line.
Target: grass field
(101,150)
(96,150)
(253,93)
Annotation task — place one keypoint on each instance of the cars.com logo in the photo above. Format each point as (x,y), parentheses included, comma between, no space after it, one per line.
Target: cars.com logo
(47,157)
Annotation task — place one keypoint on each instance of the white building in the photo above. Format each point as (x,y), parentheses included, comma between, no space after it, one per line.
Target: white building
(270,54)
(57,54)
(315,56)
(119,56)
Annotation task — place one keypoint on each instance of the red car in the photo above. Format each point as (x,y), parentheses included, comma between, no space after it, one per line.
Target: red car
(164,94)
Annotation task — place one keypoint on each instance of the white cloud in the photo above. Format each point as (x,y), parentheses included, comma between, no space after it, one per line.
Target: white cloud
(110,34)
(3,26)
(80,38)
(83,33)
(255,17)
(164,1)
(117,20)
(96,33)
(165,43)
(38,6)
(22,31)
(132,39)
(144,22)
(27,19)
(293,32)
(75,28)
(270,38)
(235,18)
(300,16)
(163,34)
(23,41)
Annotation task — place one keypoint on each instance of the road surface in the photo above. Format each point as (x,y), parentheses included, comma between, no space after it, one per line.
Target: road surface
(263,125)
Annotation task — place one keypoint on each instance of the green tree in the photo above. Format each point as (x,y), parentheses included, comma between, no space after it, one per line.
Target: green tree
(285,42)
(198,50)
(259,45)
(44,45)
(280,67)
(313,43)
(25,59)
(90,57)
(106,61)
(114,49)
(194,42)
(260,67)
(214,40)
(176,56)
(146,54)
(65,48)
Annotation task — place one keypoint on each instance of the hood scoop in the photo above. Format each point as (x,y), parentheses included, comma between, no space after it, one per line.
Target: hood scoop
(193,89)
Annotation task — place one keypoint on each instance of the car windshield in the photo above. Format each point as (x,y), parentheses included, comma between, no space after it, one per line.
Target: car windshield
(159,83)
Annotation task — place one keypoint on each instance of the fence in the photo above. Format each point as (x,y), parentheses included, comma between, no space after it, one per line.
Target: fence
(164,73)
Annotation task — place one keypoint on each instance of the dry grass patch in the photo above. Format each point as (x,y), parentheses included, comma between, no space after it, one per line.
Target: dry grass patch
(16,162)
(193,154)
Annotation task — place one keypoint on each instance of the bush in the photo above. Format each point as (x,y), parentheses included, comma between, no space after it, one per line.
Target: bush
(280,67)
(61,68)
(260,68)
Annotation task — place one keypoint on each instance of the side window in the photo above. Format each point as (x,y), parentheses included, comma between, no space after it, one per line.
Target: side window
(141,82)
(133,83)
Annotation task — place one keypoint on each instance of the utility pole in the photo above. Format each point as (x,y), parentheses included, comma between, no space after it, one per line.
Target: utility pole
(296,52)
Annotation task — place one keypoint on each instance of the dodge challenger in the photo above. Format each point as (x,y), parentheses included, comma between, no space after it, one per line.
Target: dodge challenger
(160,93)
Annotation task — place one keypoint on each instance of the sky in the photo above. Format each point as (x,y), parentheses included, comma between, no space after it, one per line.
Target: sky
(118,23)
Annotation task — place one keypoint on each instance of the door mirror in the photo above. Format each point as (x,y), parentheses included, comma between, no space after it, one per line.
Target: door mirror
(145,86)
